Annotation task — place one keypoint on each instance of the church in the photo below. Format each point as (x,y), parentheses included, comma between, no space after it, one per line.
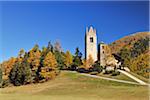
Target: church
(99,52)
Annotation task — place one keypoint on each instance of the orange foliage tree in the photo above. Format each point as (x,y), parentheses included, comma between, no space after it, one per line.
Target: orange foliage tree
(48,71)
(68,59)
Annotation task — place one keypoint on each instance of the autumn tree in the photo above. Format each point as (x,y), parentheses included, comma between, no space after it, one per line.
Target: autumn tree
(48,71)
(84,64)
(68,59)
(7,66)
(34,58)
(87,63)
(45,51)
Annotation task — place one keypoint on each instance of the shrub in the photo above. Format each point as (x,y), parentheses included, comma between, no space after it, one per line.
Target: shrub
(96,67)
(82,70)
(5,83)
(115,73)
(73,67)
(94,73)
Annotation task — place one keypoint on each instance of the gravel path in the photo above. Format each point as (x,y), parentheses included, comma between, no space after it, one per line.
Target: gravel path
(111,79)
(133,77)
(139,82)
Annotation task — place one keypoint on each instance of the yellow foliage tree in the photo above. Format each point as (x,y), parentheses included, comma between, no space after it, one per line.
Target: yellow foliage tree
(34,59)
(48,71)
(87,63)
(7,66)
(68,59)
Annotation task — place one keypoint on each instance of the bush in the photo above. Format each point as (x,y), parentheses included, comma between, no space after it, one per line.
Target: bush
(82,70)
(115,73)
(108,72)
(96,67)
(99,69)
(73,67)
(94,73)
(5,83)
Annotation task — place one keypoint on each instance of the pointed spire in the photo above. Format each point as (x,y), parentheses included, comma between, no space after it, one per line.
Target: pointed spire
(91,29)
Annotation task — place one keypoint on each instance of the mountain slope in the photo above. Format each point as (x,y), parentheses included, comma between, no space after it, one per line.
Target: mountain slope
(128,41)
(134,50)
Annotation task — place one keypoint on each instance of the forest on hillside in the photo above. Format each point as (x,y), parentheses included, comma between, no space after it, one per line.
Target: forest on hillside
(36,65)
(40,65)
(134,50)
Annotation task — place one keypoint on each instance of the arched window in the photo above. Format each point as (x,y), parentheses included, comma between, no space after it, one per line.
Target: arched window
(102,47)
(91,39)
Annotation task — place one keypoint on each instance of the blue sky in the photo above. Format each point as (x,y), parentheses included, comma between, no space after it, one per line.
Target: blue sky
(24,24)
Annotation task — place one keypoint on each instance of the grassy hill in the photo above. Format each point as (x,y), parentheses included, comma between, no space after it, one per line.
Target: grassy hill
(74,86)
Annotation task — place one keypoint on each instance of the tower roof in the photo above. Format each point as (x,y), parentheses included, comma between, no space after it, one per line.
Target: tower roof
(101,43)
(91,29)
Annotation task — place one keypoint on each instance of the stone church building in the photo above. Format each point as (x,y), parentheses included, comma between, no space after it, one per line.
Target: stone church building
(97,51)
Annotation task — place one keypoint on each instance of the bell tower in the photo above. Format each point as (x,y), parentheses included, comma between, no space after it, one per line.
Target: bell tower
(91,43)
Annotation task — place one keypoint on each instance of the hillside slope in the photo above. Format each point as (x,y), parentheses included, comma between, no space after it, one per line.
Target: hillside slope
(74,86)
(129,40)
(134,50)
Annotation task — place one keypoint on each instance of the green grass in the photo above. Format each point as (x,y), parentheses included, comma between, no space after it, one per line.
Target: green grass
(119,77)
(73,86)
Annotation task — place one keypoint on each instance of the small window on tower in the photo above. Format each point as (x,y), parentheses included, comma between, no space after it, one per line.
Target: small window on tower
(91,39)
(102,47)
